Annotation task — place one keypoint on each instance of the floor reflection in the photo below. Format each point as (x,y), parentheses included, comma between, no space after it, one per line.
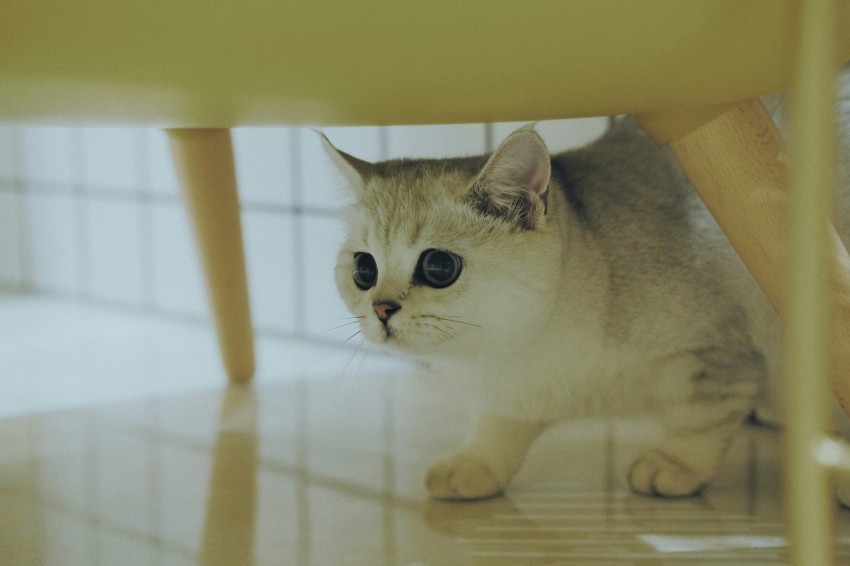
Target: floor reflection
(330,472)
(230,520)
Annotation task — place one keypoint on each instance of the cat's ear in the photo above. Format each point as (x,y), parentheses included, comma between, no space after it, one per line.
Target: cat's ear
(514,184)
(356,171)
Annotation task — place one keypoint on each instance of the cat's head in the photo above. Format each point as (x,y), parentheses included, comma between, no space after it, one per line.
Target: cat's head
(445,255)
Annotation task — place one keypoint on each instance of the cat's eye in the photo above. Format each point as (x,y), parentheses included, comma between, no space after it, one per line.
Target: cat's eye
(438,268)
(365,271)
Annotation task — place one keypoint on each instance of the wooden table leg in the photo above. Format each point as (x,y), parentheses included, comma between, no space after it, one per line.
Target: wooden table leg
(204,161)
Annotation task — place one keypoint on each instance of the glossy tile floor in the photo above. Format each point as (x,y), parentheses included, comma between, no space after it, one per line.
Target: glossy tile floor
(115,449)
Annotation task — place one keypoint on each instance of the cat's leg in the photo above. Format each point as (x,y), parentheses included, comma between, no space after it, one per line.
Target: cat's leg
(686,461)
(486,464)
(702,408)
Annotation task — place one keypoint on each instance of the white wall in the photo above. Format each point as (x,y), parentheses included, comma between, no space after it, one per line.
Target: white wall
(94,214)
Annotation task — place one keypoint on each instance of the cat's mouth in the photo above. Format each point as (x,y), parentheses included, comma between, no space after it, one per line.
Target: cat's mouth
(392,339)
(396,337)
(421,333)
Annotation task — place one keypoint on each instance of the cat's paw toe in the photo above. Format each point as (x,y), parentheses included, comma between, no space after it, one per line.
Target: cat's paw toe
(658,474)
(460,476)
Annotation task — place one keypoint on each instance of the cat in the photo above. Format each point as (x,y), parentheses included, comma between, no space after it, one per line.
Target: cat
(554,286)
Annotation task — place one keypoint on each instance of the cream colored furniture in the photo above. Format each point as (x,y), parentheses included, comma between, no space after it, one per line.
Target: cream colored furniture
(683,67)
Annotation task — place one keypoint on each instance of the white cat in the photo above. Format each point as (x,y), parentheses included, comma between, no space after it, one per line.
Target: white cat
(555,286)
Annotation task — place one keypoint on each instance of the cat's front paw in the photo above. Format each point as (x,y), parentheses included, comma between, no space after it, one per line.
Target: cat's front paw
(461,476)
(656,473)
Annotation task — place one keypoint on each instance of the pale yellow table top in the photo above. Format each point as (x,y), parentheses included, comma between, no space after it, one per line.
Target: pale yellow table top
(225,63)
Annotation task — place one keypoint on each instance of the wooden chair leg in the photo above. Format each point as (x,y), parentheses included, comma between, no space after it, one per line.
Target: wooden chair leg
(204,161)
(737,162)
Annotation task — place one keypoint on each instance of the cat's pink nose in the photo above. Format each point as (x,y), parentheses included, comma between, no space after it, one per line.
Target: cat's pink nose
(385,309)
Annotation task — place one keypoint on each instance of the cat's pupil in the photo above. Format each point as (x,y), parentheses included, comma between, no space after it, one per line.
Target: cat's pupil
(365,271)
(438,268)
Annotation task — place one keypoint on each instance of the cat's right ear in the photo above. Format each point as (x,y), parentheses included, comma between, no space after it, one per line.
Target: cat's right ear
(514,184)
(355,171)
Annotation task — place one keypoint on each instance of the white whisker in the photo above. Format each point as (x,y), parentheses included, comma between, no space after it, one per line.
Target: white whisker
(353,354)
(356,320)
(363,355)
(457,321)
(331,351)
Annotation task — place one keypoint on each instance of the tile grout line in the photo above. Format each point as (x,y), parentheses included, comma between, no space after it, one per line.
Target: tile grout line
(298,240)
(147,249)
(83,268)
(106,194)
(27,280)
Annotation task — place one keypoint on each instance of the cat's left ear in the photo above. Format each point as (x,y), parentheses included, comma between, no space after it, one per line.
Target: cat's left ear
(356,171)
(514,184)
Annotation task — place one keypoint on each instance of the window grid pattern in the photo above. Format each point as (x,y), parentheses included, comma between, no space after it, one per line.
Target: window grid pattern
(94,214)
